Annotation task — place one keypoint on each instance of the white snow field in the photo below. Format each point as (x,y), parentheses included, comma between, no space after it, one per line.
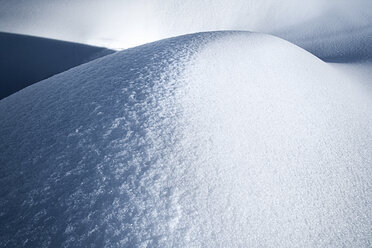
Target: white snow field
(219,139)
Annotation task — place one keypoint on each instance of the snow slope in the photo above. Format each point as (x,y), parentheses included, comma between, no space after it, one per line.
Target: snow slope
(361,72)
(26,60)
(221,139)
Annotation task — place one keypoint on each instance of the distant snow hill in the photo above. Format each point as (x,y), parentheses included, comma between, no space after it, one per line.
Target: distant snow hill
(25,60)
(353,45)
(221,139)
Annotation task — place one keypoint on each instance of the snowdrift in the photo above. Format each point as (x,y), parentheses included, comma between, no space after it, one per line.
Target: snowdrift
(223,139)
(26,60)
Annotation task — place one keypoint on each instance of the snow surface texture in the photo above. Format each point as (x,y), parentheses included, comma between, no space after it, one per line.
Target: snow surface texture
(223,139)
(26,60)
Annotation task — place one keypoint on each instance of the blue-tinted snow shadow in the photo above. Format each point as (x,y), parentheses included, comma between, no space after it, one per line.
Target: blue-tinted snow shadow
(26,59)
(349,45)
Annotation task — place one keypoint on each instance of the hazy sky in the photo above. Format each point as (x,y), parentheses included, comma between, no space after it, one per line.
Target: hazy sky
(126,23)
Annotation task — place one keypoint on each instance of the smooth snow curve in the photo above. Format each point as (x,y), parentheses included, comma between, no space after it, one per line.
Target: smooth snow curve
(225,139)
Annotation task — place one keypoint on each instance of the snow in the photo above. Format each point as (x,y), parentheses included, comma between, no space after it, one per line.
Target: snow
(360,72)
(26,60)
(217,139)
(345,44)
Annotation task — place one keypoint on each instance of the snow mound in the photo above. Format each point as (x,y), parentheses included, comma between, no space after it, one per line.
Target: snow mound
(222,139)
